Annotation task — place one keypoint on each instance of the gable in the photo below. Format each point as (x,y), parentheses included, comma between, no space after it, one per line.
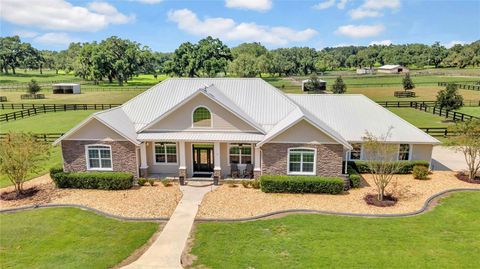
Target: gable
(181,118)
(95,130)
(303,132)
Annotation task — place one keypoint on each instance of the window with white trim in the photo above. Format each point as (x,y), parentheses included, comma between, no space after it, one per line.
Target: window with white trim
(404,152)
(356,152)
(301,161)
(165,152)
(99,157)
(240,153)
(202,117)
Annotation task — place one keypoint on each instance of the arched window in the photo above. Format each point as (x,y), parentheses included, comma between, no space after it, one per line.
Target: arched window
(202,117)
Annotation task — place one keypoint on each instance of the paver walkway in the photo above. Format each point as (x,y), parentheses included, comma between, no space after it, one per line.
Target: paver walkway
(167,250)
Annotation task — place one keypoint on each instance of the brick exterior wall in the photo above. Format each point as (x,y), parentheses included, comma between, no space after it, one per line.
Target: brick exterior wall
(124,158)
(275,158)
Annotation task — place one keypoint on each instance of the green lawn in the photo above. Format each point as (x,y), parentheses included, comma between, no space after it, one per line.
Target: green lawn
(86,97)
(474,111)
(52,122)
(447,237)
(421,118)
(68,238)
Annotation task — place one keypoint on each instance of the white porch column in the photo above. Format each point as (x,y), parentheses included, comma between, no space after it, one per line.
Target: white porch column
(181,153)
(143,160)
(217,168)
(257,169)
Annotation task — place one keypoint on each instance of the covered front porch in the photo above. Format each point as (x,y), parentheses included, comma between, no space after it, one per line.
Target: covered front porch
(199,159)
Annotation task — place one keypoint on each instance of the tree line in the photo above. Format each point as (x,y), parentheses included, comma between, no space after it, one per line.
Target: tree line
(116,59)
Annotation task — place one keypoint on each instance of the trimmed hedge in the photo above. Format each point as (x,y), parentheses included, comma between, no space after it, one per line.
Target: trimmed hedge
(92,180)
(406,167)
(301,184)
(354,177)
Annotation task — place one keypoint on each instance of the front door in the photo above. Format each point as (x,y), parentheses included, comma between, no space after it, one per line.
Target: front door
(202,159)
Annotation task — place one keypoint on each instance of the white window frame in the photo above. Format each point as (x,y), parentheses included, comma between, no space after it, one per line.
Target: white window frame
(154,154)
(240,153)
(314,172)
(87,158)
(361,153)
(211,117)
(410,149)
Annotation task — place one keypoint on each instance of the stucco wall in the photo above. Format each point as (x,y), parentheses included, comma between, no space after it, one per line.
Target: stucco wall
(275,158)
(422,152)
(303,132)
(95,130)
(124,158)
(222,119)
(166,169)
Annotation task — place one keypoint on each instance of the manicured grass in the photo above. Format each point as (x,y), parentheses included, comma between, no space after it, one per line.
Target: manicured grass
(474,111)
(421,118)
(447,237)
(86,97)
(68,238)
(54,159)
(52,122)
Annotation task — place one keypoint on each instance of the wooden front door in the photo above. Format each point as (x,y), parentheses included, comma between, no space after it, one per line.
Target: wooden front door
(202,159)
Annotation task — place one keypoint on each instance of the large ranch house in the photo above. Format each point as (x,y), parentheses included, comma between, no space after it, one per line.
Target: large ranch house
(234,127)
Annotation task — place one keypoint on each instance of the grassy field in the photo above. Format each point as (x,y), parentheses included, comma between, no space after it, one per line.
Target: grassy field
(447,237)
(68,238)
(421,118)
(88,97)
(474,111)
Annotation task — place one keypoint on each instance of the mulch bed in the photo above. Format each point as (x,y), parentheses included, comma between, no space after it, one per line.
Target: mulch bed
(388,200)
(464,177)
(12,195)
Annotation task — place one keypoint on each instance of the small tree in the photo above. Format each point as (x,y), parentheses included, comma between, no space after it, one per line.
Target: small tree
(20,154)
(381,160)
(408,83)
(339,86)
(313,83)
(449,98)
(467,141)
(33,87)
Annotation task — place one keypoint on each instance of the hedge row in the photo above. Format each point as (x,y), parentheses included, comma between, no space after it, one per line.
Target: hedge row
(355,177)
(92,180)
(301,184)
(405,167)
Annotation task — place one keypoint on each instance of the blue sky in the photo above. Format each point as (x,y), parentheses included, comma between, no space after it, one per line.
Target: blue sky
(163,25)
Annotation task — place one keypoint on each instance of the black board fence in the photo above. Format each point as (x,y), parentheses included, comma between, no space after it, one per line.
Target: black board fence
(454,115)
(43,137)
(29,110)
(462,86)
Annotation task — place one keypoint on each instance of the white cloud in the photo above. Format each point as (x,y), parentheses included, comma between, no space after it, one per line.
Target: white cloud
(373,8)
(54,39)
(324,5)
(25,33)
(228,29)
(455,42)
(61,15)
(150,2)
(342,3)
(386,42)
(258,5)
(360,31)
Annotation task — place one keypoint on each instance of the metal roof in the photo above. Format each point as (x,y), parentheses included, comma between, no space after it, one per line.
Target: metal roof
(201,136)
(390,66)
(352,115)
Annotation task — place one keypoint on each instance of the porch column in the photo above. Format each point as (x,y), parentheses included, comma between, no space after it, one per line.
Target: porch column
(182,169)
(257,170)
(217,169)
(143,160)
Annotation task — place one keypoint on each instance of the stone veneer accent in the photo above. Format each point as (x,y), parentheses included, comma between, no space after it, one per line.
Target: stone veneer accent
(275,158)
(124,158)
(217,173)
(182,173)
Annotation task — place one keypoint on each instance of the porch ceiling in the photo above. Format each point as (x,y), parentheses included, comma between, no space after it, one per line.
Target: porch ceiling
(201,136)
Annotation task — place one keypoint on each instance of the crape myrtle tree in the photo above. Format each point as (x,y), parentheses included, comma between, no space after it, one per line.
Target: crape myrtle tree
(449,98)
(467,141)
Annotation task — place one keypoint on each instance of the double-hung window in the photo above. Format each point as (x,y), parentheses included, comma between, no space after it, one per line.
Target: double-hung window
(404,152)
(99,157)
(165,153)
(240,153)
(301,161)
(356,152)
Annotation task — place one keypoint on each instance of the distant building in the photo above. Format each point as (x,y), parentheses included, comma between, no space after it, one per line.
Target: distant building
(321,87)
(62,88)
(392,69)
(365,70)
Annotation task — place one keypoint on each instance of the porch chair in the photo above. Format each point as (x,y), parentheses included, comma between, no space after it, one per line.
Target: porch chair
(234,172)
(248,171)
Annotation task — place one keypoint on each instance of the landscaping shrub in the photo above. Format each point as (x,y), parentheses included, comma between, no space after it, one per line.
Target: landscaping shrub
(420,172)
(354,177)
(54,170)
(245,183)
(166,183)
(93,180)
(142,181)
(255,184)
(406,167)
(301,184)
(151,181)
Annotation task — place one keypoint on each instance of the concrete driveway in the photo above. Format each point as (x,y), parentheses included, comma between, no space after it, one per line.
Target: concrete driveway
(447,159)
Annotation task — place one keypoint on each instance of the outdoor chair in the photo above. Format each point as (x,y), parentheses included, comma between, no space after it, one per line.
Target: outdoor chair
(234,172)
(248,171)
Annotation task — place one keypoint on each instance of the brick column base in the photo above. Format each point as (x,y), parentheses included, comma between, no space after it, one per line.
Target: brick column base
(217,173)
(257,174)
(143,172)
(182,173)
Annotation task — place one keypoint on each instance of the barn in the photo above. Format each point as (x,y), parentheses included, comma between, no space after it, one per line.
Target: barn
(392,69)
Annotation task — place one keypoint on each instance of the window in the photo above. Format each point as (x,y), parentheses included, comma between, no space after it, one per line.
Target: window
(301,161)
(99,157)
(165,152)
(202,117)
(356,152)
(240,153)
(404,152)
